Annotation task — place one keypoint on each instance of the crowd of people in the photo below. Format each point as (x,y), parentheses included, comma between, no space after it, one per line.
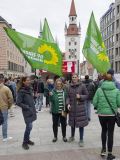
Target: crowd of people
(69,103)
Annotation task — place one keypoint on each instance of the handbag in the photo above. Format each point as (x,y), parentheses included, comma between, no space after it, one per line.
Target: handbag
(64,113)
(117,115)
(1,118)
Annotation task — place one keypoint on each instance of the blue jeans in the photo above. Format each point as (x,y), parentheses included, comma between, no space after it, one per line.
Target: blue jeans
(88,109)
(5,124)
(27,132)
(81,132)
(39,102)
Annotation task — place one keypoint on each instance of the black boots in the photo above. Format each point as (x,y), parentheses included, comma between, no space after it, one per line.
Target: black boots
(64,139)
(54,139)
(110,156)
(25,145)
(30,143)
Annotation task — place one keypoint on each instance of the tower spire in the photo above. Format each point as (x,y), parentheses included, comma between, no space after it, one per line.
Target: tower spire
(72,9)
(40,33)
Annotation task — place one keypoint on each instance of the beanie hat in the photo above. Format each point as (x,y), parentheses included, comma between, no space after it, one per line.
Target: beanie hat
(110,71)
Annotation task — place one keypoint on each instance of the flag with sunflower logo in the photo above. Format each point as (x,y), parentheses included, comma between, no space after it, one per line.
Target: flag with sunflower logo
(39,54)
(46,32)
(94,49)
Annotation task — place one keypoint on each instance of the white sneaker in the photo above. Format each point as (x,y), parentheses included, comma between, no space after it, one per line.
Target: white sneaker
(7,139)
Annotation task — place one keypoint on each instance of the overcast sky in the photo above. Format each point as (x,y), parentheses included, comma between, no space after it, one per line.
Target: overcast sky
(25,15)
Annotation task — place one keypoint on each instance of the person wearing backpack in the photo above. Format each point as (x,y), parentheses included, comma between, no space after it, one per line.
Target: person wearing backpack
(91,91)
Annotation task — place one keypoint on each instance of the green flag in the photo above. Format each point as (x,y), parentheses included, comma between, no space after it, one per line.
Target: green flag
(39,54)
(46,33)
(94,49)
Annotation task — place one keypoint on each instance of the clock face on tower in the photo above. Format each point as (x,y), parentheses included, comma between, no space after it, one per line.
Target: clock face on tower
(72,39)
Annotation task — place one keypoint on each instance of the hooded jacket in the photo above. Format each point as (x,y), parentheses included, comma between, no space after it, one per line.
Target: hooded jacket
(113,95)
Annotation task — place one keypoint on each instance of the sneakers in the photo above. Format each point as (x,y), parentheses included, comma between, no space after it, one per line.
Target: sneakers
(30,143)
(103,152)
(25,146)
(81,143)
(54,140)
(64,139)
(7,139)
(110,156)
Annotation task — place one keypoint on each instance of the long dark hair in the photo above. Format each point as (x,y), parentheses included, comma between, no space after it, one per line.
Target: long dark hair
(21,84)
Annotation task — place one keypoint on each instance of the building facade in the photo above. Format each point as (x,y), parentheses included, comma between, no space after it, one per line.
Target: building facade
(12,63)
(72,39)
(110,29)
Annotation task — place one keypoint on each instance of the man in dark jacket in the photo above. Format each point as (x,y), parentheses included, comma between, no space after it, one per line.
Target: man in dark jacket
(91,91)
(40,92)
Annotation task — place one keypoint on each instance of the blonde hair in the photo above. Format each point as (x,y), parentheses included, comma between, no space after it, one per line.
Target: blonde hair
(108,77)
(59,80)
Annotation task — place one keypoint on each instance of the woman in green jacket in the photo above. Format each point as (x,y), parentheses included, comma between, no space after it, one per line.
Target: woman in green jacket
(105,113)
(57,98)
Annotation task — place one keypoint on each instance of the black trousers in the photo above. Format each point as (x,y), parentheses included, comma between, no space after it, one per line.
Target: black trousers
(47,100)
(108,125)
(55,118)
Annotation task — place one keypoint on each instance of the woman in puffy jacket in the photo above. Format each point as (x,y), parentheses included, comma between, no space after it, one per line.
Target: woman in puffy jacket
(26,101)
(105,113)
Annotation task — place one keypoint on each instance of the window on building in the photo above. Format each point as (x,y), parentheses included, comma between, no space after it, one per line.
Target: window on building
(7,53)
(118,9)
(116,51)
(116,67)
(110,15)
(113,27)
(119,66)
(69,43)
(69,56)
(113,40)
(108,18)
(107,30)
(105,44)
(113,12)
(111,53)
(117,37)
(69,50)
(75,50)
(22,69)
(72,18)
(75,43)
(117,23)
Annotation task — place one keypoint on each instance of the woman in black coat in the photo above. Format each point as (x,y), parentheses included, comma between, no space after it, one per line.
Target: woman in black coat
(26,101)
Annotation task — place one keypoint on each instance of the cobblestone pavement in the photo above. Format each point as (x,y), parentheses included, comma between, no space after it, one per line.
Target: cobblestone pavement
(42,135)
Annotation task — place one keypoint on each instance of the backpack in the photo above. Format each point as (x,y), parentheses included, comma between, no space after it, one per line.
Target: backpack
(91,90)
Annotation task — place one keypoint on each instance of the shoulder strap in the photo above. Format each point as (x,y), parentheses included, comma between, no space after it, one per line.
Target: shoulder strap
(108,101)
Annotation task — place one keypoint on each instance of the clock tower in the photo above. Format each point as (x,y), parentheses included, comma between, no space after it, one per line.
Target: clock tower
(72,38)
